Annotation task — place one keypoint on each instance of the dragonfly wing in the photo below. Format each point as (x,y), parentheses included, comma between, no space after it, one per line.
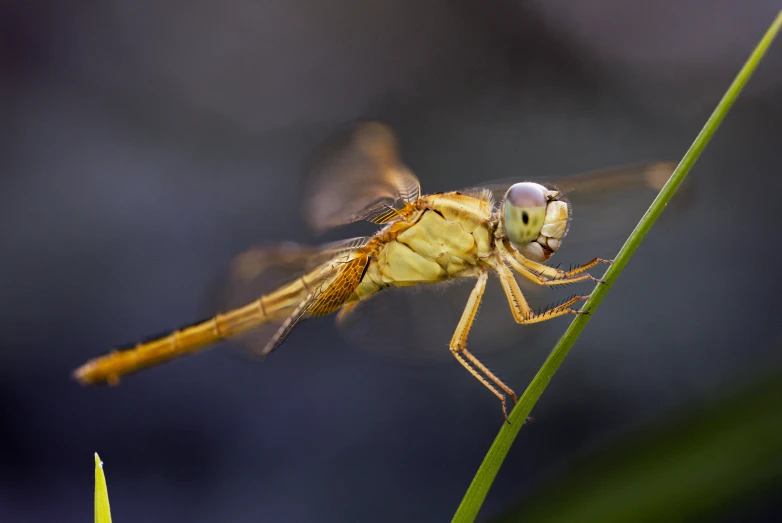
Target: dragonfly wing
(262,270)
(357,175)
(325,298)
(645,176)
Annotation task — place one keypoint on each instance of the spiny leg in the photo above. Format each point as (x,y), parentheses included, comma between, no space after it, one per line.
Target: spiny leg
(537,277)
(483,368)
(538,272)
(459,345)
(559,310)
(518,304)
(488,385)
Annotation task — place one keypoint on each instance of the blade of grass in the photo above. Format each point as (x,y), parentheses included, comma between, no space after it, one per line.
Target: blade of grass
(484,477)
(102,510)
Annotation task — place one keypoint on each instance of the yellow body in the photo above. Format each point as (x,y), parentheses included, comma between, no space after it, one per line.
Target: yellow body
(442,236)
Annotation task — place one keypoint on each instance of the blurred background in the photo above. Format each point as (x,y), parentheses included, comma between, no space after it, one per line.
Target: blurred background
(144,144)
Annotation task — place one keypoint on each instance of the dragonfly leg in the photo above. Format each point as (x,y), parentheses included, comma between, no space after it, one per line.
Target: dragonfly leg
(543,274)
(471,363)
(522,312)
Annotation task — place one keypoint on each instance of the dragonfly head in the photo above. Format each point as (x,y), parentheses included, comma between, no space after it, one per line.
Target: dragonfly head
(534,219)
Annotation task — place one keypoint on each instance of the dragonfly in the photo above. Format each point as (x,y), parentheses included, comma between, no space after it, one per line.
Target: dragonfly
(504,229)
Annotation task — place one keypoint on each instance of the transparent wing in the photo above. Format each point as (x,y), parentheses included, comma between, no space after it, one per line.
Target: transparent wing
(646,176)
(262,270)
(357,175)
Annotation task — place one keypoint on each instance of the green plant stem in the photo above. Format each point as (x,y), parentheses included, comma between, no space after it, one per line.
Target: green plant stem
(479,488)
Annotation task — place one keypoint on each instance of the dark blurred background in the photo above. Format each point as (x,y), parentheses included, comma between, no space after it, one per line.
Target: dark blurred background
(146,143)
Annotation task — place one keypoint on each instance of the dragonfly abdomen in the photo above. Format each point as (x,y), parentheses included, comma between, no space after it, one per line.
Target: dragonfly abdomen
(110,367)
(271,308)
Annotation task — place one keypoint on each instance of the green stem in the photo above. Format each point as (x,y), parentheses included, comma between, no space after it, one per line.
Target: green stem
(479,488)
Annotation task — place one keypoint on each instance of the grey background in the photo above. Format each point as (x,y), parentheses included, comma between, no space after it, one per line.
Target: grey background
(146,143)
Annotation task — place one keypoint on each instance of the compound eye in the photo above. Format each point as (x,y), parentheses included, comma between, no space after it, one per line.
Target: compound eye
(524,211)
